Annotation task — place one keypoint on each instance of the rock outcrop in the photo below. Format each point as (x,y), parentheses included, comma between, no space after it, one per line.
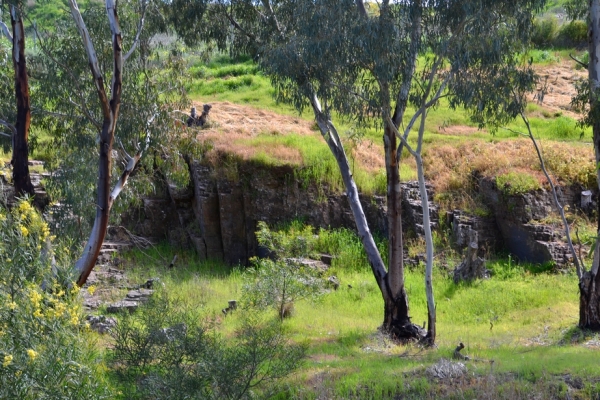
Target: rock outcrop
(218,214)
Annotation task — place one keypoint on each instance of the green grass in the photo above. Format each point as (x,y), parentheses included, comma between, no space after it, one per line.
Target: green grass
(522,318)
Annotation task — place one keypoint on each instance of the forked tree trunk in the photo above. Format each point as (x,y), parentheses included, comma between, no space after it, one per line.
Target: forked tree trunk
(21,179)
(396,320)
(396,312)
(110,112)
(589,284)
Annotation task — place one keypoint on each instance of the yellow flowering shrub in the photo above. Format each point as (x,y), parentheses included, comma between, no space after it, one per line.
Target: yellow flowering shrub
(43,350)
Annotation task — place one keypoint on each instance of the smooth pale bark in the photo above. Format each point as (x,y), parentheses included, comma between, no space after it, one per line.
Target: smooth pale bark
(396,319)
(332,139)
(110,113)
(589,284)
(431,311)
(20,141)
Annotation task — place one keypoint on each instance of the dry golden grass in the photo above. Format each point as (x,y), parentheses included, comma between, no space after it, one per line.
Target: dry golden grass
(557,81)
(241,130)
(232,128)
(449,166)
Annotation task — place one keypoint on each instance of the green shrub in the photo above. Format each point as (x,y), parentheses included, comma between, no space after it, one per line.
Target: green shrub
(43,350)
(573,33)
(544,31)
(297,241)
(279,283)
(166,351)
(514,183)
(566,128)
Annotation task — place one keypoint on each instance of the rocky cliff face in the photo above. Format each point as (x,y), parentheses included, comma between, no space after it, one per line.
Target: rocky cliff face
(218,214)
(519,223)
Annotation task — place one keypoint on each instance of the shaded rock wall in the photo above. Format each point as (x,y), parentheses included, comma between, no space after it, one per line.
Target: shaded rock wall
(518,223)
(218,216)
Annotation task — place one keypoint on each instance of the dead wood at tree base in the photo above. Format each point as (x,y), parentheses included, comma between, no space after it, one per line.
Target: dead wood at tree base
(405,332)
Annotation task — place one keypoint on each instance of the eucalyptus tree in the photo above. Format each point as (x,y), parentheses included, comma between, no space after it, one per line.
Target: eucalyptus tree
(21,111)
(369,65)
(108,99)
(587,100)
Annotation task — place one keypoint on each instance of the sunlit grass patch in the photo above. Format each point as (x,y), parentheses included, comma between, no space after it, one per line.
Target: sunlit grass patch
(522,319)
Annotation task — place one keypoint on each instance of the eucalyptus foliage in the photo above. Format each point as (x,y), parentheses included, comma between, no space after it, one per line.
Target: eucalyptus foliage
(357,65)
(368,62)
(153,78)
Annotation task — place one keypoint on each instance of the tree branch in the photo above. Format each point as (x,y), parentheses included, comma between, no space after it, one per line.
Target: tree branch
(269,8)
(415,44)
(9,126)
(139,31)
(578,263)
(434,99)
(361,8)
(237,26)
(131,163)
(584,65)
(6,31)
(92,57)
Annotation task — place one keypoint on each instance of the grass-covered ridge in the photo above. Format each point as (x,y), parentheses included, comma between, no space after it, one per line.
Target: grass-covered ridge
(252,125)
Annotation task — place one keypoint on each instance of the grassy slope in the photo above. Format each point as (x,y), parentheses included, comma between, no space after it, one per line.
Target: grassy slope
(522,321)
(225,80)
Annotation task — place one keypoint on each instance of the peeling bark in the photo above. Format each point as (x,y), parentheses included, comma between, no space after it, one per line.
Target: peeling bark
(110,112)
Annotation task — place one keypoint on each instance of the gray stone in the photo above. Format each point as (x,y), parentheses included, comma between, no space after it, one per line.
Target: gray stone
(101,323)
(170,334)
(446,369)
(122,306)
(139,295)
(334,282)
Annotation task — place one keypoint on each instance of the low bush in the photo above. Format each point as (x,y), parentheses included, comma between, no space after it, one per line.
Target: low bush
(44,351)
(573,34)
(279,283)
(168,351)
(545,30)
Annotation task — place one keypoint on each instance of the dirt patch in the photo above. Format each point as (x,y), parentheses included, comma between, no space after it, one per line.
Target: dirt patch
(556,87)
(233,128)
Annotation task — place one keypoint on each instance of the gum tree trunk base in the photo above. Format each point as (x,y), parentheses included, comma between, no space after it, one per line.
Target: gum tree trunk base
(589,301)
(397,323)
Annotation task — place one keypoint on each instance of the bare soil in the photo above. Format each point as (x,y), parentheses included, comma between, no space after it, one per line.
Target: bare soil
(556,87)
